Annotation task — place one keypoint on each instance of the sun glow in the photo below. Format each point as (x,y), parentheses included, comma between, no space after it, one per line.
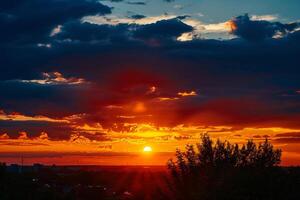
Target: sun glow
(147,149)
(139,107)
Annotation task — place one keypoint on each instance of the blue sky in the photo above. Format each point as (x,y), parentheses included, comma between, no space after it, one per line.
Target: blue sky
(212,10)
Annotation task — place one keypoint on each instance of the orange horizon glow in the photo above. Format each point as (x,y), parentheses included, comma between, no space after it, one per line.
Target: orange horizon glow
(140,126)
(125,148)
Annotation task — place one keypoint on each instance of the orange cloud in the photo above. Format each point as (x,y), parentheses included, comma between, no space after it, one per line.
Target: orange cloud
(152,90)
(4,136)
(186,94)
(23,136)
(231,25)
(43,136)
(19,117)
(167,98)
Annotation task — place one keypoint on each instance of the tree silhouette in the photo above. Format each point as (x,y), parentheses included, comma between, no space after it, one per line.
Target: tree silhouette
(221,170)
(224,154)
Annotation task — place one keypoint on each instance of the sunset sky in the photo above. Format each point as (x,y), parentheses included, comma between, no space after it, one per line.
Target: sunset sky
(96,81)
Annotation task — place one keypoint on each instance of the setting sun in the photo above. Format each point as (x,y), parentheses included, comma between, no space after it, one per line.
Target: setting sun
(147,149)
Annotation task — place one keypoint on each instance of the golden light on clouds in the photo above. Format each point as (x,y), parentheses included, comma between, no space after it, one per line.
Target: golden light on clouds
(163,140)
(19,117)
(186,94)
(151,90)
(231,25)
(56,78)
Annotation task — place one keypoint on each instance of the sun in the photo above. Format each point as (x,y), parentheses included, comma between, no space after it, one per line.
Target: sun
(147,149)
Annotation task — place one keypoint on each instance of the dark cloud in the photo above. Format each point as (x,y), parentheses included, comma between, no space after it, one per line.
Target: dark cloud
(87,32)
(33,98)
(239,83)
(55,131)
(26,21)
(219,69)
(162,29)
(140,3)
(26,24)
(257,30)
(115,0)
(137,16)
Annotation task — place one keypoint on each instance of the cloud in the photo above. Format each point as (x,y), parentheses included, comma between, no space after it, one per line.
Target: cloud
(23,24)
(23,144)
(200,29)
(4,136)
(55,130)
(186,94)
(178,6)
(162,29)
(197,64)
(76,77)
(77,31)
(113,0)
(115,20)
(55,78)
(257,29)
(137,16)
(19,117)
(264,17)
(289,134)
(87,31)
(43,128)
(205,30)
(287,138)
(135,68)
(56,30)
(140,3)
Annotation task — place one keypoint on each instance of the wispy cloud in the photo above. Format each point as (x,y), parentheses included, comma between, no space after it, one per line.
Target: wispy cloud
(55,78)
(264,17)
(187,94)
(115,20)
(20,117)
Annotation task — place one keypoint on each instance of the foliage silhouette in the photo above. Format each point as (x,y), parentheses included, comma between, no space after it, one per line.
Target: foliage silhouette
(224,155)
(221,170)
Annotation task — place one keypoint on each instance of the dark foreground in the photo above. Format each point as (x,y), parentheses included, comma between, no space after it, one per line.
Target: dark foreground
(105,183)
(88,182)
